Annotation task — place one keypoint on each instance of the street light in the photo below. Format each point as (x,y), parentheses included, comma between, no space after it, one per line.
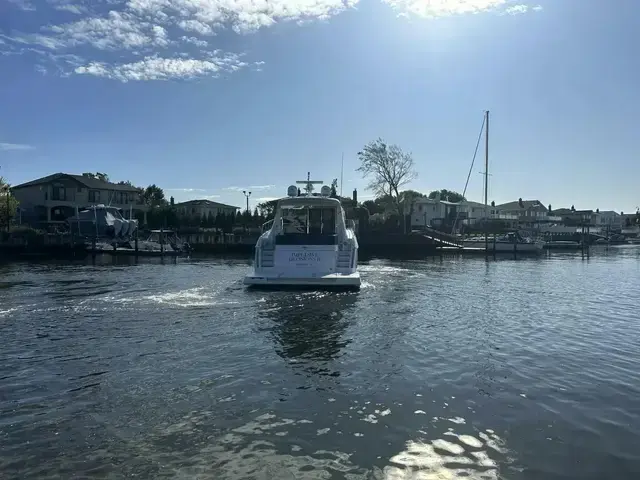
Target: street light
(247,195)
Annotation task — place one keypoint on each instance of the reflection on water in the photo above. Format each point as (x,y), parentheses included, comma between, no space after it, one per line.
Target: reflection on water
(436,369)
(309,327)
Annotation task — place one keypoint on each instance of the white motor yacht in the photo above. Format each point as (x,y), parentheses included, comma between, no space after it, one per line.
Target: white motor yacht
(308,244)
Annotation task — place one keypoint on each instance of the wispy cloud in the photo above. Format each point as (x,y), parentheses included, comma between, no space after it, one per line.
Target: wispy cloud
(68,6)
(25,5)
(185,189)
(14,146)
(265,199)
(157,68)
(252,188)
(447,8)
(155,39)
(520,9)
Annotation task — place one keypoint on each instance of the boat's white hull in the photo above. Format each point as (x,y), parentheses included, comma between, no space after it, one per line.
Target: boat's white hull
(506,246)
(333,280)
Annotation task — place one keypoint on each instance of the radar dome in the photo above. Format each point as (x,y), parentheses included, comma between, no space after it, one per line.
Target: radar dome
(325,191)
(292,191)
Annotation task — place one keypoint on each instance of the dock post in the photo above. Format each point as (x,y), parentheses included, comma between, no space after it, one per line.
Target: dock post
(93,247)
(162,241)
(136,242)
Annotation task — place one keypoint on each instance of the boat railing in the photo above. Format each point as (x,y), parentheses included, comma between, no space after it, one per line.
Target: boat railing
(266,225)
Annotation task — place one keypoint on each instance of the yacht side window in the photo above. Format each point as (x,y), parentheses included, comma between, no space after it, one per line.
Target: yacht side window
(328,221)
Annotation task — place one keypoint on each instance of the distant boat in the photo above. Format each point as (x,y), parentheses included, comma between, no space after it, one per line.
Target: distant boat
(510,242)
(102,221)
(309,244)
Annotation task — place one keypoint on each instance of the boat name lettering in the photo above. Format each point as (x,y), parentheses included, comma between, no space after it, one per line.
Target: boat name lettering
(304,256)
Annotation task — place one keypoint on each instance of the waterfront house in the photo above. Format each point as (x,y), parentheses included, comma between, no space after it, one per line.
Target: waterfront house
(426,212)
(54,198)
(576,218)
(203,209)
(435,212)
(532,214)
(609,220)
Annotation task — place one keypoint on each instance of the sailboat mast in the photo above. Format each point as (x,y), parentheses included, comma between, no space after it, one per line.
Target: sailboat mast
(486,159)
(486,181)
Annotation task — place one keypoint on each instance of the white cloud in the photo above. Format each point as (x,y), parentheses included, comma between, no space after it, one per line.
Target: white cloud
(447,8)
(195,26)
(158,68)
(251,188)
(185,189)
(194,41)
(210,197)
(25,5)
(520,9)
(14,146)
(71,8)
(266,199)
(118,30)
(158,39)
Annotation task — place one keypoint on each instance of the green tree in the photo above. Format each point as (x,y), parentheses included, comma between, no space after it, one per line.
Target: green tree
(154,196)
(448,195)
(388,169)
(256,218)
(373,207)
(268,209)
(8,204)
(103,177)
(219,220)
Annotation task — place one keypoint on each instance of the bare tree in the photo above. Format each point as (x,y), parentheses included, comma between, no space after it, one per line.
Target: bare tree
(388,169)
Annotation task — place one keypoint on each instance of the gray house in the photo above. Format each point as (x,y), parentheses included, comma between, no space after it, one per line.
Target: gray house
(54,198)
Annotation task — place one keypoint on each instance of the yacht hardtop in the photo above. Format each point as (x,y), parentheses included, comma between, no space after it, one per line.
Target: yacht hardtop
(309,243)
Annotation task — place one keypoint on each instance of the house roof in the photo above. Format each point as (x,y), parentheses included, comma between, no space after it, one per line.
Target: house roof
(568,211)
(526,205)
(88,182)
(562,211)
(204,203)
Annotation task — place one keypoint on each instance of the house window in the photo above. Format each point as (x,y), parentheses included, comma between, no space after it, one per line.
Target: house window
(419,208)
(79,189)
(58,193)
(94,196)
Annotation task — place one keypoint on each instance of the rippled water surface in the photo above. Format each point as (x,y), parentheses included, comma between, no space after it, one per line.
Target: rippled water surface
(436,369)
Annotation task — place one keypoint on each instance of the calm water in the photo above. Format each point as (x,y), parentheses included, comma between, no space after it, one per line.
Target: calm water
(436,369)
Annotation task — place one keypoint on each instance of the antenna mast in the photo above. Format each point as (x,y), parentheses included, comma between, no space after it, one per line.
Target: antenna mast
(341,173)
(309,183)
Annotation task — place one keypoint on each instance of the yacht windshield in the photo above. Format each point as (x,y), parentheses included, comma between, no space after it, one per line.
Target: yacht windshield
(309,221)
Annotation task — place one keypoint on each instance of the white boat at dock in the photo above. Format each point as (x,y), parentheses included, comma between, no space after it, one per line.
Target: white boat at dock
(309,244)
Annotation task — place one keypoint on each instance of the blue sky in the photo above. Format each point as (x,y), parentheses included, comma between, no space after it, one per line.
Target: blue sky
(207,97)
